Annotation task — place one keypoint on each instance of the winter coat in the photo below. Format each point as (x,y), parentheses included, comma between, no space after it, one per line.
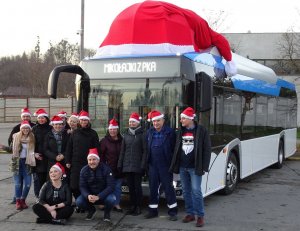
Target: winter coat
(51,149)
(46,194)
(40,131)
(99,181)
(110,151)
(80,141)
(133,152)
(168,142)
(202,149)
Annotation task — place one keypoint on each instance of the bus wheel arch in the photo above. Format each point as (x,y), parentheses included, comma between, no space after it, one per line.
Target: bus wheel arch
(232,172)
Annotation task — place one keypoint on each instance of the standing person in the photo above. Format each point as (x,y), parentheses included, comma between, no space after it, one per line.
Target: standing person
(160,143)
(80,141)
(110,147)
(55,143)
(132,162)
(63,115)
(191,159)
(22,162)
(73,122)
(40,131)
(96,186)
(25,116)
(55,199)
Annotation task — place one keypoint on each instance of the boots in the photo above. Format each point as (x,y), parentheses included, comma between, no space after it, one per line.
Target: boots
(23,204)
(137,211)
(18,204)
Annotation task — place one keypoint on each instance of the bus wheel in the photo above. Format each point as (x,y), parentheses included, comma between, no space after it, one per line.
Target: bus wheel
(279,163)
(232,175)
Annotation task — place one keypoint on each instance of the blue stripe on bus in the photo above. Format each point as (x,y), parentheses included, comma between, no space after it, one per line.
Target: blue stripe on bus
(286,84)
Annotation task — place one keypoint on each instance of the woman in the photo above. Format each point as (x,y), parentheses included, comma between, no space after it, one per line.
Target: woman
(73,122)
(40,130)
(22,162)
(55,142)
(55,199)
(110,147)
(132,162)
(80,141)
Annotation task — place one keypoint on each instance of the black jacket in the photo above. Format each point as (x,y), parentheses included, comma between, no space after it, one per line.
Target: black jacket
(46,194)
(40,131)
(202,148)
(133,152)
(51,149)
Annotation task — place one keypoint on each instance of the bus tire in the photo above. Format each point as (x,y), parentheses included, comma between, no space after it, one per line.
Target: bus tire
(280,157)
(232,175)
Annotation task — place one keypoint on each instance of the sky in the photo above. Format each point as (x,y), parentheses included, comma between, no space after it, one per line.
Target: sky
(22,21)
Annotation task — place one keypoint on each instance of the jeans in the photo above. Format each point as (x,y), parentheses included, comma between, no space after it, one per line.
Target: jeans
(118,190)
(191,189)
(22,180)
(108,201)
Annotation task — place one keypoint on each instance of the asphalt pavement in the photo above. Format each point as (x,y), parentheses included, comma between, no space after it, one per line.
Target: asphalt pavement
(268,200)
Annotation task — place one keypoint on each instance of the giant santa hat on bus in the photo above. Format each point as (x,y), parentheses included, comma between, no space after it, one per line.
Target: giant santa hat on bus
(156,27)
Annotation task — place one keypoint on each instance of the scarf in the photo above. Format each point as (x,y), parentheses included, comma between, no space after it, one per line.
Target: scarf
(58,138)
(132,130)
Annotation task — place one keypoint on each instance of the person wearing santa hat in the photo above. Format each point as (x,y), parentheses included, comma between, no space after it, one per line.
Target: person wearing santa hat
(25,116)
(56,142)
(40,130)
(160,142)
(110,147)
(55,199)
(22,162)
(63,115)
(73,122)
(132,161)
(80,141)
(191,159)
(96,186)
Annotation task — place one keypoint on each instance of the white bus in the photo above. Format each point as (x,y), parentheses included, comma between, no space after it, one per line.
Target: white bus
(251,116)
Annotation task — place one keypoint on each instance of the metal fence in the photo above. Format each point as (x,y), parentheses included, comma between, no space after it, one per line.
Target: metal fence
(10,108)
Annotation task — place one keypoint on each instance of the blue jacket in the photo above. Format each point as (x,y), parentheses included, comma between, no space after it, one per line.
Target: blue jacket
(96,182)
(168,142)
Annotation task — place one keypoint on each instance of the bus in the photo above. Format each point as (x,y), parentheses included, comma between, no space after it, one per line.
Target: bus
(251,117)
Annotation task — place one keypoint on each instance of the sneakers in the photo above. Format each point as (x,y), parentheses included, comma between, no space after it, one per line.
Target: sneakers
(106,217)
(150,215)
(200,222)
(188,218)
(40,220)
(173,218)
(91,214)
(58,222)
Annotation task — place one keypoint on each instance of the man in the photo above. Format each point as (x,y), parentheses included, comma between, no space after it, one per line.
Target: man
(96,187)
(25,116)
(191,159)
(161,142)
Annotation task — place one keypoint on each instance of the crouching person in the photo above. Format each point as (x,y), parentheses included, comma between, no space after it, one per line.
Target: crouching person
(55,198)
(96,187)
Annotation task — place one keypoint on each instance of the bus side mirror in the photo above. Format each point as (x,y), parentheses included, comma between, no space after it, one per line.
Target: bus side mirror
(203,92)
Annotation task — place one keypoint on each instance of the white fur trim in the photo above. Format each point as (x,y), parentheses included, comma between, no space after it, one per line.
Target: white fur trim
(25,125)
(84,118)
(230,68)
(129,49)
(112,127)
(56,122)
(158,117)
(132,119)
(62,115)
(172,205)
(57,167)
(94,155)
(187,117)
(43,114)
(153,206)
(25,113)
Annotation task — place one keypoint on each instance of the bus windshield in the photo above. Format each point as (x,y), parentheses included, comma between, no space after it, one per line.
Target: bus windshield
(118,98)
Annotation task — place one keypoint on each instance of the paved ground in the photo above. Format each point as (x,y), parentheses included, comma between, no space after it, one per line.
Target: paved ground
(268,200)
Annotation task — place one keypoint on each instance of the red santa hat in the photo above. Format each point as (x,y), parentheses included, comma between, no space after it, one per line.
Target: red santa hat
(74,115)
(155,115)
(83,115)
(113,124)
(188,135)
(41,113)
(188,113)
(93,152)
(56,120)
(25,112)
(135,117)
(62,114)
(25,124)
(60,168)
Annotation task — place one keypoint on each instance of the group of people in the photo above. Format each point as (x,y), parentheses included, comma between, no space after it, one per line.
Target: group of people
(66,159)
